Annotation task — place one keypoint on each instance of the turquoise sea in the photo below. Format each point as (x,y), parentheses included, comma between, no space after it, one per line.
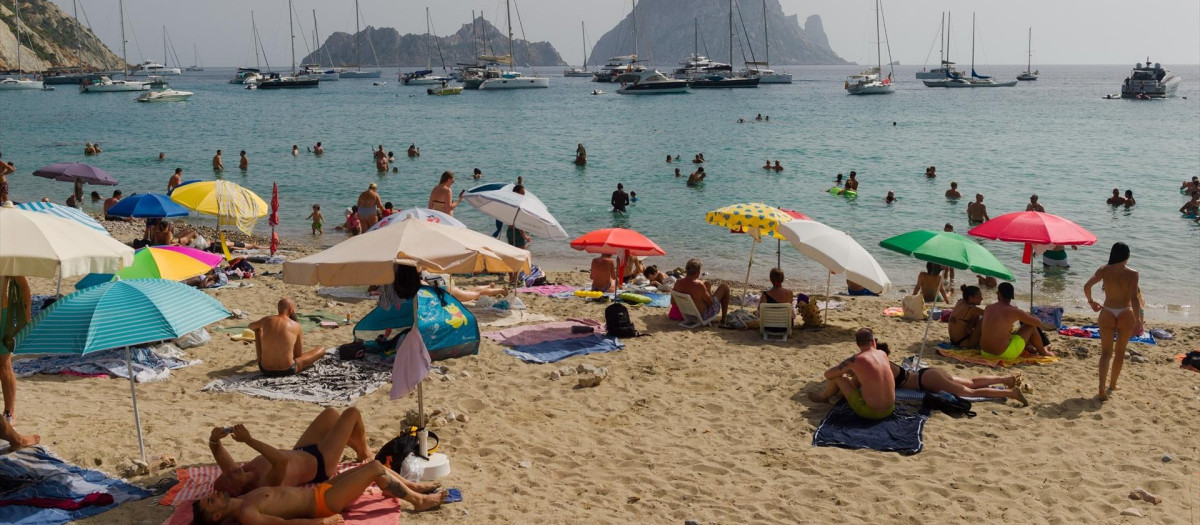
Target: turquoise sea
(1055,137)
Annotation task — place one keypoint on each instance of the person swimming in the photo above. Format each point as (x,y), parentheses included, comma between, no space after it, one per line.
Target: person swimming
(891,197)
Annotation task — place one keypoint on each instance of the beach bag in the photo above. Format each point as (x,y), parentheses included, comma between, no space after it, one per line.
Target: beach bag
(949,404)
(914,307)
(1050,316)
(617,323)
(352,351)
(536,277)
(192,339)
(394,452)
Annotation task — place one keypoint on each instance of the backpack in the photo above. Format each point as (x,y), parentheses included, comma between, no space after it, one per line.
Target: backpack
(394,452)
(617,323)
(949,404)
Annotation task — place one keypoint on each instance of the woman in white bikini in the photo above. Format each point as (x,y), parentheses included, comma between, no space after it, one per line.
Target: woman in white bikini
(1122,313)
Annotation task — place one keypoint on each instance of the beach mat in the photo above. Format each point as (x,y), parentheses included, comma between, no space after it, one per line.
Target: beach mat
(540,333)
(52,491)
(330,381)
(149,364)
(973,356)
(548,290)
(554,351)
(494,318)
(900,432)
(1093,332)
(309,322)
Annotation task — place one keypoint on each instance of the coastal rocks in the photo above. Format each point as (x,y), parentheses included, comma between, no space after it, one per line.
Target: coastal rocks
(590,380)
(238,314)
(561,373)
(525,464)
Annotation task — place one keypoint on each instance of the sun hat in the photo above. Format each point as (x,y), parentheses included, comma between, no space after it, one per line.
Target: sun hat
(246,335)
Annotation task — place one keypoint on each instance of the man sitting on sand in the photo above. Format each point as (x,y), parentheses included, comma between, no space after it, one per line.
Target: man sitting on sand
(321,504)
(977,211)
(279,345)
(707,300)
(999,341)
(604,273)
(313,459)
(865,379)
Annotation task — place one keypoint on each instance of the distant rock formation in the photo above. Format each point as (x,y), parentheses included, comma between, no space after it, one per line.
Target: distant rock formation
(48,39)
(665,34)
(414,50)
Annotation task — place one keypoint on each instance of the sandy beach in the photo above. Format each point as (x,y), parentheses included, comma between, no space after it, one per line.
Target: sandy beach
(711,424)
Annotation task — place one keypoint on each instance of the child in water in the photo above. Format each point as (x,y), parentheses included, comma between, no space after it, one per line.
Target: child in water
(633,196)
(317,219)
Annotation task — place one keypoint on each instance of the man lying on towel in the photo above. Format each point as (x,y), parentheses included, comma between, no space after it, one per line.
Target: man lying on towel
(865,379)
(278,343)
(320,504)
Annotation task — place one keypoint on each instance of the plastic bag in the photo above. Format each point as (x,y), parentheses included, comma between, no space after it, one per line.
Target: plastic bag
(412,468)
(515,303)
(193,339)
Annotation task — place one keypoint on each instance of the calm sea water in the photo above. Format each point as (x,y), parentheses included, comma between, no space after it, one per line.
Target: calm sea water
(1055,137)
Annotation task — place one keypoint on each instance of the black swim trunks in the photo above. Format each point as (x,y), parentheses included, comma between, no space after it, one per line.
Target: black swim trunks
(315,452)
(289,371)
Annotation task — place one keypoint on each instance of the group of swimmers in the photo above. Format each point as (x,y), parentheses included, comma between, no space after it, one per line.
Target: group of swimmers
(759,118)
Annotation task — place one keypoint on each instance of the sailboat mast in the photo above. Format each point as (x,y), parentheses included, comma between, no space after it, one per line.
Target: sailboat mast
(583,41)
(254,37)
(164,45)
(696,38)
(766,38)
(357,38)
(878,49)
(315,37)
(17,5)
(633,15)
(292,34)
(1029,50)
(428,51)
(972,44)
(942,40)
(124,56)
(78,42)
(731,34)
(512,57)
(947,36)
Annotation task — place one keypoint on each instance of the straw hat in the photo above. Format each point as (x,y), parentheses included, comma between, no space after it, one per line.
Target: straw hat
(247,335)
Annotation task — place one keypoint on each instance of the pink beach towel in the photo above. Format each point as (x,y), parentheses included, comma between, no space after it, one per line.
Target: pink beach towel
(410,366)
(547,289)
(540,333)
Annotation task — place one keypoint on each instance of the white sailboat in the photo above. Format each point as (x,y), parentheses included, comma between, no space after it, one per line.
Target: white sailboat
(104,84)
(513,79)
(976,79)
(21,82)
(358,72)
(151,68)
(946,69)
(582,71)
(195,61)
(1028,74)
(250,75)
(426,77)
(869,82)
(762,70)
(315,69)
(277,81)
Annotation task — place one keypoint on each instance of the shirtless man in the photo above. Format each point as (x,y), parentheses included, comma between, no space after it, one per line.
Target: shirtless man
(707,300)
(619,199)
(696,177)
(318,149)
(998,340)
(319,505)
(9,328)
(413,150)
(216,162)
(1033,205)
(604,273)
(279,344)
(369,205)
(865,379)
(1191,207)
(441,198)
(1116,199)
(175,180)
(1122,314)
(243,162)
(109,203)
(953,193)
(851,183)
(977,211)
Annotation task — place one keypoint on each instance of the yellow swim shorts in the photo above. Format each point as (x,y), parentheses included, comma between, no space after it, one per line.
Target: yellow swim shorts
(1016,345)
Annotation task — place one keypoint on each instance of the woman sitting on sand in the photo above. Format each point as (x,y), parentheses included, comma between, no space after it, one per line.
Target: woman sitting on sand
(929,284)
(965,318)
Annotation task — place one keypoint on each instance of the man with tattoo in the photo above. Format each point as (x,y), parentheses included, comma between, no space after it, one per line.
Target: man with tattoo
(865,379)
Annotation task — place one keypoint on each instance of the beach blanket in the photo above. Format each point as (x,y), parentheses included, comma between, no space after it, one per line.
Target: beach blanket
(540,333)
(548,290)
(149,364)
(197,482)
(491,317)
(893,311)
(554,351)
(1093,332)
(658,300)
(330,381)
(37,487)
(973,356)
(918,396)
(348,293)
(900,432)
(309,322)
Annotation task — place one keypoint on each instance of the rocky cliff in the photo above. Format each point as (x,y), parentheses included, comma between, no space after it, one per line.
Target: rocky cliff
(49,39)
(666,34)
(414,50)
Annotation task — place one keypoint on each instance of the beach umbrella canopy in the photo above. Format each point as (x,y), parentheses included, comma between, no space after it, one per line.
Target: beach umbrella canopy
(369,258)
(837,252)
(524,212)
(424,214)
(749,216)
(617,241)
(65,212)
(41,245)
(173,263)
(119,314)
(229,203)
(69,171)
(147,205)
(1033,228)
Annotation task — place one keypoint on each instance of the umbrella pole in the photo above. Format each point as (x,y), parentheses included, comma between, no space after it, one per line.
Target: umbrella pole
(921,352)
(746,287)
(1031,283)
(58,283)
(137,418)
(778,254)
(828,283)
(422,434)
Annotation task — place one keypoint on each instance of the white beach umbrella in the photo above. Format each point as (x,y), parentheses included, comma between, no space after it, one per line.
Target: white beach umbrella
(36,244)
(424,214)
(837,252)
(522,211)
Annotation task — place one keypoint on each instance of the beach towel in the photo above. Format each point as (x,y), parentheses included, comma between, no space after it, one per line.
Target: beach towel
(900,432)
(918,396)
(540,333)
(1093,332)
(548,290)
(554,351)
(330,381)
(52,491)
(352,294)
(491,317)
(973,356)
(410,365)
(658,300)
(150,364)
(309,322)
(893,311)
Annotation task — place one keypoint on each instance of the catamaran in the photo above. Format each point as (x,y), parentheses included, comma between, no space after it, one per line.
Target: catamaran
(358,72)
(513,79)
(21,82)
(1029,74)
(104,84)
(869,82)
(762,70)
(580,72)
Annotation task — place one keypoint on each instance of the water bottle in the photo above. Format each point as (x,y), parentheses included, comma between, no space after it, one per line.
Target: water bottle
(347,317)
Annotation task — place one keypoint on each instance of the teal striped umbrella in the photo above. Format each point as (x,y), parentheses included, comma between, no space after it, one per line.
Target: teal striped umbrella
(119,314)
(65,212)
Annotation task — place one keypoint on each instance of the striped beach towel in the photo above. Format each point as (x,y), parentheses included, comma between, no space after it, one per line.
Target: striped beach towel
(65,212)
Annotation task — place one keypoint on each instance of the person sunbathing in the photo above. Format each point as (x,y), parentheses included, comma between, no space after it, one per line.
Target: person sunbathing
(16,441)
(604,273)
(279,345)
(966,317)
(936,380)
(313,459)
(864,379)
(930,286)
(708,301)
(998,340)
(321,504)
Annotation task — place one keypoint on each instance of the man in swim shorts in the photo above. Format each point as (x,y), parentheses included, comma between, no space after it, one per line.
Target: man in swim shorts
(619,199)
(369,205)
(707,300)
(977,211)
(998,340)
(604,273)
(322,503)
(16,305)
(865,379)
(279,345)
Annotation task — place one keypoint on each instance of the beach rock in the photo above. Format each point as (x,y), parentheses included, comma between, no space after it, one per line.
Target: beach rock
(141,468)
(1138,359)
(238,314)
(1140,493)
(98,461)
(438,422)
(525,464)
(555,375)
(691,522)
(1026,387)
(465,374)
(451,416)
(166,462)
(1131,512)
(463,418)
(588,369)
(1167,458)
(590,380)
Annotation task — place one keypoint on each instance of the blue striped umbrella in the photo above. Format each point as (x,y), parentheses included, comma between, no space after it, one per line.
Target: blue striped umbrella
(120,314)
(65,212)
(146,205)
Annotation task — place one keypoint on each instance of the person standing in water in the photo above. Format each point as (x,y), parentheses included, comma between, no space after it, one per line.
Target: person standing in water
(218,166)
(953,193)
(619,199)
(1121,315)
(243,162)
(1033,205)
(442,197)
(175,180)
(977,211)
(580,155)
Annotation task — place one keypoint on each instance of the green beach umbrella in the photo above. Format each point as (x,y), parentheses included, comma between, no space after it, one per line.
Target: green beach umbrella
(947,249)
(119,314)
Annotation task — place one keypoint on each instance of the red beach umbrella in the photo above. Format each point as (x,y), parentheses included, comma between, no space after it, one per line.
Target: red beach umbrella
(617,241)
(274,218)
(1030,228)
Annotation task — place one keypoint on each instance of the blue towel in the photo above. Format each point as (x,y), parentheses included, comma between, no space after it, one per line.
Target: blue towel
(900,432)
(554,351)
(658,300)
(35,472)
(1144,337)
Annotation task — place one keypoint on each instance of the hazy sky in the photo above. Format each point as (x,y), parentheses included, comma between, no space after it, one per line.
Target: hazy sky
(1064,32)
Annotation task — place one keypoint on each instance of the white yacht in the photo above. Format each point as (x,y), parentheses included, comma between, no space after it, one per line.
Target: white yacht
(946,69)
(649,82)
(513,79)
(1146,81)
(165,95)
(104,84)
(246,75)
(316,71)
(617,66)
(424,77)
(155,69)
(12,84)
(870,82)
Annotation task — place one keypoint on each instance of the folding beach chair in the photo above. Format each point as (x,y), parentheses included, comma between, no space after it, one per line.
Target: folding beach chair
(691,314)
(775,321)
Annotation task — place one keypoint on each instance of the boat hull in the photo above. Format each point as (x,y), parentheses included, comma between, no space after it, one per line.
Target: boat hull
(1027,77)
(1162,89)
(871,89)
(63,80)
(725,83)
(115,87)
(775,78)
(21,85)
(569,73)
(164,72)
(361,74)
(936,74)
(168,96)
(655,90)
(289,84)
(515,83)
(977,84)
(443,91)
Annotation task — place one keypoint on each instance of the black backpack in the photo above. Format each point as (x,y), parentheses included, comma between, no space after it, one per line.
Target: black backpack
(400,447)
(948,403)
(617,323)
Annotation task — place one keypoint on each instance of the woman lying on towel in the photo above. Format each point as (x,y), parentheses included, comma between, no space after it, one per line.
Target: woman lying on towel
(936,380)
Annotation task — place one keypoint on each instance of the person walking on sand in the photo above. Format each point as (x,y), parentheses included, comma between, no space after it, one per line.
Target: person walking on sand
(1121,315)
(369,205)
(175,180)
(977,211)
(998,340)
(442,197)
(218,166)
(15,308)
(864,379)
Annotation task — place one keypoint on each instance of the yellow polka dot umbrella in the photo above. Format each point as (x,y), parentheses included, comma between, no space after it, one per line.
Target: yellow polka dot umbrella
(754,218)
